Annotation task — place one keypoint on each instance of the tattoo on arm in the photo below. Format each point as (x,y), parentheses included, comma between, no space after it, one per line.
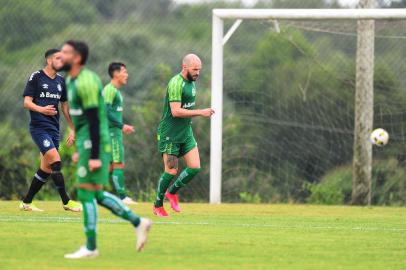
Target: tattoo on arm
(172,162)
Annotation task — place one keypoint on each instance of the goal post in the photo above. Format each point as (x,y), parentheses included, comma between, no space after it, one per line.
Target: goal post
(219,40)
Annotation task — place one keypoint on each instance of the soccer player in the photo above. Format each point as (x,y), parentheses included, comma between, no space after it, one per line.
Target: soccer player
(175,135)
(114,105)
(44,91)
(88,112)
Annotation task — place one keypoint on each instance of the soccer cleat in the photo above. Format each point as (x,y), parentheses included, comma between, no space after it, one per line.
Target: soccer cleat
(174,201)
(82,253)
(73,206)
(160,211)
(142,233)
(29,207)
(128,201)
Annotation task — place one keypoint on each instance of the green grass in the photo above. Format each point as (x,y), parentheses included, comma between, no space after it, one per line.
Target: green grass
(229,236)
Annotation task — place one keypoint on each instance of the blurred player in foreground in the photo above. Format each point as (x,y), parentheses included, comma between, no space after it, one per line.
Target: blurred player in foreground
(89,117)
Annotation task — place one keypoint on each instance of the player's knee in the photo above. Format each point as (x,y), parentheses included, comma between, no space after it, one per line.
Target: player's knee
(171,171)
(172,162)
(45,168)
(117,165)
(56,167)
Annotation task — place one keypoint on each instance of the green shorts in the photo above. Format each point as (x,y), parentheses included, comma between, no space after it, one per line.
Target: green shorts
(176,149)
(117,146)
(100,176)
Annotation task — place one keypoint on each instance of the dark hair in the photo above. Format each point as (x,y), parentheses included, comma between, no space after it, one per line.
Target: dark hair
(51,52)
(81,48)
(115,66)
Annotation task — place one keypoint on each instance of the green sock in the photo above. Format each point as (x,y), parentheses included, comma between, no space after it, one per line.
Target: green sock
(87,198)
(185,177)
(117,207)
(163,185)
(118,182)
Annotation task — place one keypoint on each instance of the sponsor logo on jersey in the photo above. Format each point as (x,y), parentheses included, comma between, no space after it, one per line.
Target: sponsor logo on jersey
(45,86)
(59,87)
(119,109)
(49,95)
(188,105)
(194,91)
(46,143)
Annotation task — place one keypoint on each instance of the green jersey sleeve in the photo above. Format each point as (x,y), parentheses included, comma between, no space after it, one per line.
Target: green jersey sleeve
(89,87)
(175,87)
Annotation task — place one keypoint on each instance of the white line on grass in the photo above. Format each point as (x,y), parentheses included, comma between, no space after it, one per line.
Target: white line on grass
(60,219)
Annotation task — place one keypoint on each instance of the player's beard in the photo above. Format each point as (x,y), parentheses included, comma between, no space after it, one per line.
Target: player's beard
(190,77)
(65,67)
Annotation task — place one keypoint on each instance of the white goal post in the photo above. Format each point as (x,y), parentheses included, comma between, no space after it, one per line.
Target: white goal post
(219,40)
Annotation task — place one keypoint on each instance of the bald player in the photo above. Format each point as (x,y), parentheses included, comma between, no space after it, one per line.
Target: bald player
(175,135)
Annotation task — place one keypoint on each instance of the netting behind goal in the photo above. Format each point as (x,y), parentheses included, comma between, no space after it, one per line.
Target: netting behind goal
(289,107)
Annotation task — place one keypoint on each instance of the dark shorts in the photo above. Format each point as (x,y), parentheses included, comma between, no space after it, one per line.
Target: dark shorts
(45,140)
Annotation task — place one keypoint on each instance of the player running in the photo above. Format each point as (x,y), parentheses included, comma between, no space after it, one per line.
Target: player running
(44,91)
(114,105)
(175,135)
(88,112)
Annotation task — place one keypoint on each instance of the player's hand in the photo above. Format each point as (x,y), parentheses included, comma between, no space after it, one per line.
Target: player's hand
(71,138)
(127,129)
(94,164)
(75,157)
(48,110)
(207,112)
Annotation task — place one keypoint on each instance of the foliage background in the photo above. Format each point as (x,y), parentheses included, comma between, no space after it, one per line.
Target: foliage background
(279,144)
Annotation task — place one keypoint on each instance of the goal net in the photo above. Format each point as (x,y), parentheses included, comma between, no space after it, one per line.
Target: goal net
(287,103)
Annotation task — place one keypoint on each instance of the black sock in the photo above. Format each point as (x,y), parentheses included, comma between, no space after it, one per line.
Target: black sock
(38,181)
(57,176)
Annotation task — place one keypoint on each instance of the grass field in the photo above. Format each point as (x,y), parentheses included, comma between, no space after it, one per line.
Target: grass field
(229,236)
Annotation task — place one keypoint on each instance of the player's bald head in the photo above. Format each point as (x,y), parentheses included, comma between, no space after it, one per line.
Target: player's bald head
(191,59)
(191,66)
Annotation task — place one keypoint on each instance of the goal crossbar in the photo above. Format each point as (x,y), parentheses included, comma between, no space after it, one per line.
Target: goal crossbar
(313,14)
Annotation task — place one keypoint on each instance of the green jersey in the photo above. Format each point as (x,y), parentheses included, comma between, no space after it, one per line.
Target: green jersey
(84,92)
(114,102)
(175,129)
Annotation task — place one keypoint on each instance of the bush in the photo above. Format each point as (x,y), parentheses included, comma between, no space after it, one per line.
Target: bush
(388,185)
(249,198)
(334,188)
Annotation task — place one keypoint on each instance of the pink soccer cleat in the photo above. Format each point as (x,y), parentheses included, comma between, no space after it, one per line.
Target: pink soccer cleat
(174,200)
(160,211)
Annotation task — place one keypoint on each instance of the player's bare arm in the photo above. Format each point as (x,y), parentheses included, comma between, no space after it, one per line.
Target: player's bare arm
(65,110)
(178,111)
(30,105)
